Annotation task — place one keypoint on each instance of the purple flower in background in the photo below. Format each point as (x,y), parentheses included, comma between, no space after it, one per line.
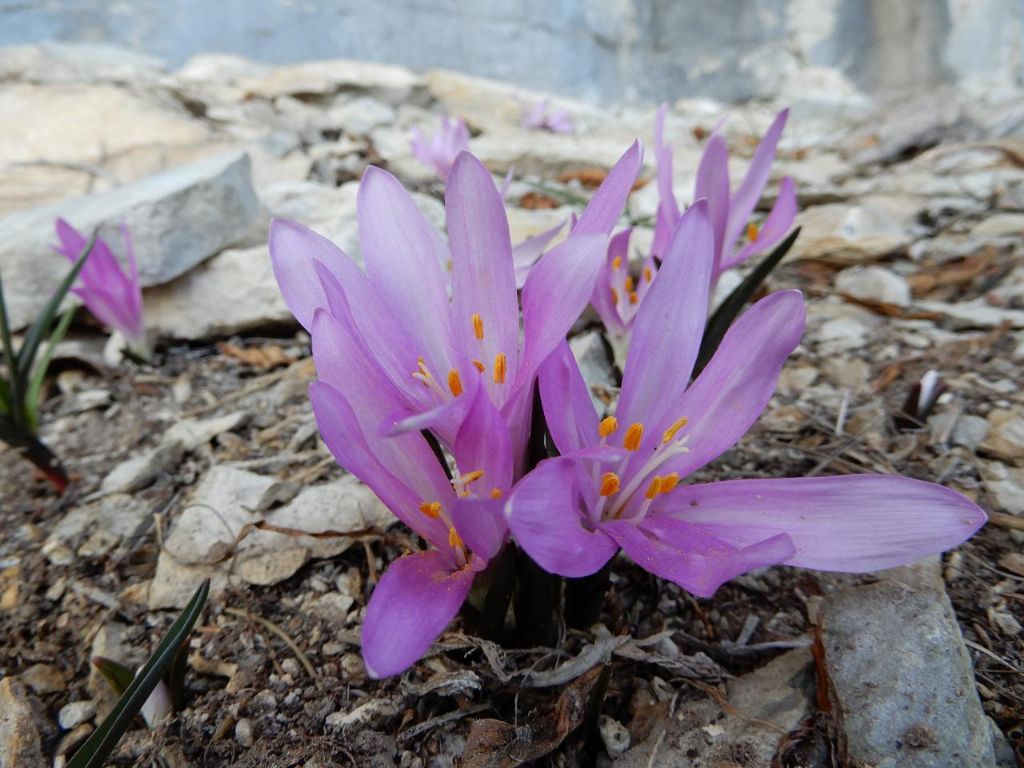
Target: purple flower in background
(619,484)
(444,145)
(542,117)
(113,297)
(730,212)
(434,350)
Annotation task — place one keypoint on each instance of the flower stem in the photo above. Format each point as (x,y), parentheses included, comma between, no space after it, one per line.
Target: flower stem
(502,572)
(536,603)
(584,598)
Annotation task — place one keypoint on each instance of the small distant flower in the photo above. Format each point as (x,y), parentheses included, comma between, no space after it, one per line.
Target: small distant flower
(542,117)
(444,145)
(113,297)
(619,483)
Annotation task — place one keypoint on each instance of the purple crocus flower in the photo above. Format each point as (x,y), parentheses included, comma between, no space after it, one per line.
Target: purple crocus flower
(730,212)
(444,145)
(436,351)
(543,117)
(113,297)
(619,481)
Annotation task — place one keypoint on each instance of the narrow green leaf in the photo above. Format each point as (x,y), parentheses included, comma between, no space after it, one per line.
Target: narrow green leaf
(44,320)
(104,739)
(33,449)
(35,384)
(118,675)
(10,362)
(5,398)
(730,309)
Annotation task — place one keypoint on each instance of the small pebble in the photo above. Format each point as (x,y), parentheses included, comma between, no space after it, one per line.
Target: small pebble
(243,732)
(1006,623)
(76,713)
(614,735)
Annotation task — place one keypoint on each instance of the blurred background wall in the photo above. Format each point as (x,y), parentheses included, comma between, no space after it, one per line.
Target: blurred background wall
(619,50)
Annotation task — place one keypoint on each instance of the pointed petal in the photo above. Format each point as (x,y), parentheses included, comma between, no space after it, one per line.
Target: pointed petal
(404,255)
(444,419)
(417,597)
(483,276)
(605,207)
(545,517)
(481,524)
(526,253)
(294,252)
(483,443)
(691,556)
(568,409)
(742,204)
(713,185)
(601,299)
(668,213)
(852,523)
(736,385)
(375,463)
(668,327)
(773,229)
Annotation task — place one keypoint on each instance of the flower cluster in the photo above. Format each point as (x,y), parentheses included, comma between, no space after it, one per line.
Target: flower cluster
(429,360)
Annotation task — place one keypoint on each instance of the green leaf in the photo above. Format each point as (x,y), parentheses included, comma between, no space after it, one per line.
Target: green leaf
(730,309)
(105,738)
(10,361)
(5,398)
(118,675)
(44,320)
(35,384)
(31,448)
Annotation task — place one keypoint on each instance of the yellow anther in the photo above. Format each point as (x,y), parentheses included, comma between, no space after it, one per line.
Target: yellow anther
(670,433)
(431,508)
(500,364)
(479,366)
(634,435)
(617,263)
(633,298)
(609,484)
(668,482)
(495,493)
(752,232)
(454,382)
(648,274)
(629,283)
(654,488)
(615,296)
(478,326)
(454,540)
(471,477)
(608,425)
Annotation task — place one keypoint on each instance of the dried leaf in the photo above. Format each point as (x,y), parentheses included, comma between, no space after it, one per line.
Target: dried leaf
(266,357)
(537,201)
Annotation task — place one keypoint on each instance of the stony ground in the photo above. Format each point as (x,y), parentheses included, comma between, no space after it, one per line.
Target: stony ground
(208,462)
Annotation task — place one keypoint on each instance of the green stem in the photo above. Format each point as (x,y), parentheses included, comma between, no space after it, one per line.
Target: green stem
(536,604)
(502,573)
(584,598)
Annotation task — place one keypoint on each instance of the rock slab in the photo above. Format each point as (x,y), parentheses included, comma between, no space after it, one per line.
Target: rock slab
(19,738)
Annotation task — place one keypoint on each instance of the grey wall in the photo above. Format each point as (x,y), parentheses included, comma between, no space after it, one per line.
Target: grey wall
(621,50)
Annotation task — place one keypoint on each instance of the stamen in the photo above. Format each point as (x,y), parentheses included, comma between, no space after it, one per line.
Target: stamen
(670,433)
(633,298)
(499,368)
(752,231)
(470,477)
(654,488)
(609,484)
(634,435)
(479,366)
(478,326)
(454,540)
(648,274)
(608,425)
(495,493)
(617,263)
(629,283)
(668,482)
(454,382)
(431,508)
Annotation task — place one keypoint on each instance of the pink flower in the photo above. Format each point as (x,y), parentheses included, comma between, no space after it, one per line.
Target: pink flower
(542,117)
(444,145)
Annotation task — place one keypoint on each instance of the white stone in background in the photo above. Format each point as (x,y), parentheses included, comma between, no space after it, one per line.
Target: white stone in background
(54,62)
(851,233)
(1005,439)
(546,155)
(999,226)
(614,735)
(592,356)
(974,314)
(360,115)
(76,713)
(391,83)
(19,736)
(969,431)
(1005,484)
(177,219)
(874,283)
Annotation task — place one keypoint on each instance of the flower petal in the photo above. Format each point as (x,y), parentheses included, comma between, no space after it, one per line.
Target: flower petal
(481,524)
(743,202)
(737,383)
(546,518)
(404,255)
(668,214)
(484,299)
(568,409)
(670,322)
(417,597)
(601,299)
(691,556)
(605,207)
(773,228)
(483,443)
(526,253)
(851,523)
(713,185)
